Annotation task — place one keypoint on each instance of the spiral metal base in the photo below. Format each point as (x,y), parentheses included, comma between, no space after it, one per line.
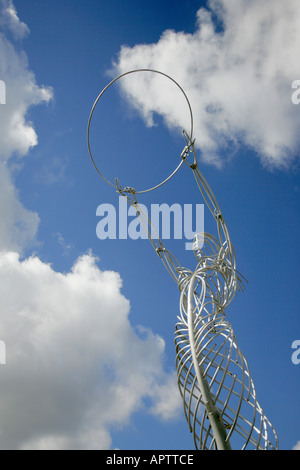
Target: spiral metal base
(213,375)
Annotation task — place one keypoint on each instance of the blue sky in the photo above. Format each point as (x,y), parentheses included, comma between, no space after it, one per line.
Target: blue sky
(89,324)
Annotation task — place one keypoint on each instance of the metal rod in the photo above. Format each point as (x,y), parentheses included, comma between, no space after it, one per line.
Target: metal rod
(212,411)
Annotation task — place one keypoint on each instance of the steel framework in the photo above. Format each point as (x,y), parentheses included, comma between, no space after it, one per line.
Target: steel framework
(214,379)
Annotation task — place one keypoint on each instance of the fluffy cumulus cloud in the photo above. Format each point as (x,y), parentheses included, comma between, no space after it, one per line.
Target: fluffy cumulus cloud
(17,134)
(18,226)
(75,366)
(237,69)
(9,20)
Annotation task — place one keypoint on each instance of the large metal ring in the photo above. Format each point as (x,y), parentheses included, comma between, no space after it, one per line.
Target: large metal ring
(93,109)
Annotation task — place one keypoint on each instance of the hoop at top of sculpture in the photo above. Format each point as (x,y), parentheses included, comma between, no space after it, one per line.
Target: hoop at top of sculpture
(190,135)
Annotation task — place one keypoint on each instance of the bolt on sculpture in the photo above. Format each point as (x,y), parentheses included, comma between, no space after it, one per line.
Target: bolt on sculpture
(214,380)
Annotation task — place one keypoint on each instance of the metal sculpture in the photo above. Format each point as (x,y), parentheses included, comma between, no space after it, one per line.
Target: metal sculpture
(214,379)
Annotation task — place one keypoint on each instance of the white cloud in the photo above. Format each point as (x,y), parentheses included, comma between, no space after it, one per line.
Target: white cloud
(238,79)
(17,134)
(9,20)
(18,226)
(75,366)
(166,403)
(296,446)
(66,247)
